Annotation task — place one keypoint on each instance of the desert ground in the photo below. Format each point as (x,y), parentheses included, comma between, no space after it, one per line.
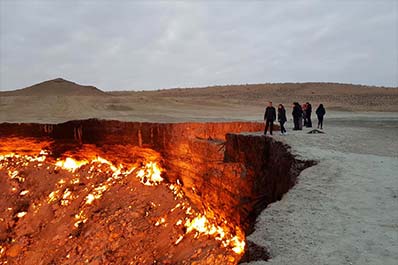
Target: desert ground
(60,100)
(344,210)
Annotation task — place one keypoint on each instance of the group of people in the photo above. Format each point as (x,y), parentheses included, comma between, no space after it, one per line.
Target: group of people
(301,117)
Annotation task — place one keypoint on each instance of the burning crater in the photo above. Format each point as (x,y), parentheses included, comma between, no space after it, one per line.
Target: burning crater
(109,192)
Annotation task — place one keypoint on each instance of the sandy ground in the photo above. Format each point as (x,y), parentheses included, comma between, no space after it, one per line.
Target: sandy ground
(60,100)
(344,210)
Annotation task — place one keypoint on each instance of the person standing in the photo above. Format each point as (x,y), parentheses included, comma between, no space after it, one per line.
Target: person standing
(304,108)
(301,116)
(282,118)
(269,118)
(320,112)
(297,116)
(308,111)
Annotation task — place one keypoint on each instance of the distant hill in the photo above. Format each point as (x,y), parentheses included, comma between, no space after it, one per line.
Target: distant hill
(56,87)
(334,95)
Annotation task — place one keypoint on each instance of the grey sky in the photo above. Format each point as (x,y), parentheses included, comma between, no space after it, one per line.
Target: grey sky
(122,45)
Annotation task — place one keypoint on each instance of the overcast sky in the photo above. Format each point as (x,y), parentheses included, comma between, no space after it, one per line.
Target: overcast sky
(123,45)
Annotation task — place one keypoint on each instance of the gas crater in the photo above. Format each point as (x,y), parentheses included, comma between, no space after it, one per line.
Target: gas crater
(110,192)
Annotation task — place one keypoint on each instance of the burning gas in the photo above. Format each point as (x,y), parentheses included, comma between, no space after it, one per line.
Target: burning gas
(70,164)
(103,175)
(149,173)
(202,225)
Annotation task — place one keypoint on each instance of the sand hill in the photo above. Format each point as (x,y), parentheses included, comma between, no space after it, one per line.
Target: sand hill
(55,87)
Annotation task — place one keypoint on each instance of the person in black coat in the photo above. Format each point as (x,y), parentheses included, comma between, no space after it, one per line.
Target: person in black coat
(320,112)
(308,112)
(269,118)
(297,116)
(282,118)
(304,109)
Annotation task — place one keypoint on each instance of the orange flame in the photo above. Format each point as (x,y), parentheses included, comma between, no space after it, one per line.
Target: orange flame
(149,175)
(70,164)
(202,225)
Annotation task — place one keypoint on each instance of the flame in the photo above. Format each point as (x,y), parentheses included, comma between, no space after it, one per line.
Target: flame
(179,240)
(75,181)
(70,164)
(53,196)
(24,192)
(13,174)
(2,251)
(80,218)
(207,224)
(202,225)
(177,191)
(238,245)
(106,162)
(199,224)
(21,214)
(66,197)
(150,174)
(97,193)
(90,198)
(162,220)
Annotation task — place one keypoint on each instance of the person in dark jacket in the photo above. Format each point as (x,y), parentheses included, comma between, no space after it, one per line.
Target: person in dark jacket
(301,117)
(320,112)
(308,112)
(269,118)
(304,108)
(282,118)
(297,116)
